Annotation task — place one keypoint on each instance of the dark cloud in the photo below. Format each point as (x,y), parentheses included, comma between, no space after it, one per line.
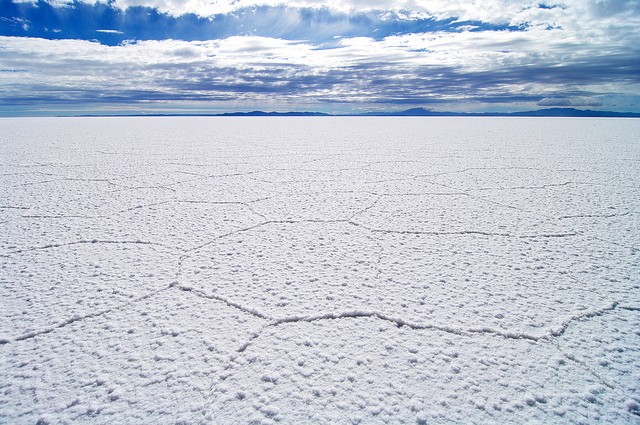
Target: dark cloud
(567,102)
(608,8)
(373,82)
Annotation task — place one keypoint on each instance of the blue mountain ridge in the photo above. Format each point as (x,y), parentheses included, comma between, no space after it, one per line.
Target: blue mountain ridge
(413,112)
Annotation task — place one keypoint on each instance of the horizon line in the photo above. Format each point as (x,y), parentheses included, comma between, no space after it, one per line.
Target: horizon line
(413,112)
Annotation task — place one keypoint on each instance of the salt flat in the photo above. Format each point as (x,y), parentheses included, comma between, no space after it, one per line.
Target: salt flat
(319,270)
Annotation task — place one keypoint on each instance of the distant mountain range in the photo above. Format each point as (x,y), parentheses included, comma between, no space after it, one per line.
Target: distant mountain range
(272,114)
(419,112)
(549,112)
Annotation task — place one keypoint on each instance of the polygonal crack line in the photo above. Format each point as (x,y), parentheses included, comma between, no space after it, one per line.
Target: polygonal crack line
(138,207)
(59,216)
(357,213)
(548,336)
(461,232)
(549,185)
(246,204)
(228,302)
(78,318)
(95,241)
(630,308)
(372,230)
(582,363)
(550,219)
(119,307)
(35,164)
(540,187)
(562,217)
(265,198)
(319,180)
(407,194)
(462,192)
(62,179)
(366,192)
(562,328)
(254,178)
(218,176)
(390,161)
(464,170)
(370,164)
(262,224)
(226,235)
(320,157)
(584,366)
(204,177)
(26,173)
(243,204)
(123,187)
(397,321)
(610,242)
(118,181)
(364,210)
(312,170)
(13,207)
(317,171)
(399,179)
(191,173)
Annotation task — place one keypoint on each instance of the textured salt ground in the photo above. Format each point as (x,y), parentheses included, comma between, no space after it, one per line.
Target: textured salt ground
(152,361)
(45,288)
(147,220)
(454,214)
(323,372)
(330,271)
(284,269)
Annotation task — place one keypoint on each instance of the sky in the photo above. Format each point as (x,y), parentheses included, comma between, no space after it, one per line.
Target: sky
(60,57)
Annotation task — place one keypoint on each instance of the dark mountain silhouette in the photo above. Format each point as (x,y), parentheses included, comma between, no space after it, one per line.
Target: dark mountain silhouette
(549,112)
(414,112)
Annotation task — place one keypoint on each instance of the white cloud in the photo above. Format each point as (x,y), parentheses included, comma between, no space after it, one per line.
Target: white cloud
(110,31)
(609,24)
(432,66)
(490,11)
(580,50)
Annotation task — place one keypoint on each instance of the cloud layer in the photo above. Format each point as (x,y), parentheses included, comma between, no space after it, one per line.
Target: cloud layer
(351,56)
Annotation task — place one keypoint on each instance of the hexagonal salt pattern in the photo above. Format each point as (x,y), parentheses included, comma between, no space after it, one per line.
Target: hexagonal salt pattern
(333,270)
(367,370)
(148,361)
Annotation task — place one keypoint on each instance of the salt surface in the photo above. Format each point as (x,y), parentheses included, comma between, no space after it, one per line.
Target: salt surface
(323,270)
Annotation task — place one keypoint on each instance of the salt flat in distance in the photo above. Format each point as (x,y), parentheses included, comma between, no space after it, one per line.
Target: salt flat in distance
(320,270)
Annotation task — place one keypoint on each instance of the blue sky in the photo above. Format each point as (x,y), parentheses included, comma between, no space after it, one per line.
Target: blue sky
(200,56)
